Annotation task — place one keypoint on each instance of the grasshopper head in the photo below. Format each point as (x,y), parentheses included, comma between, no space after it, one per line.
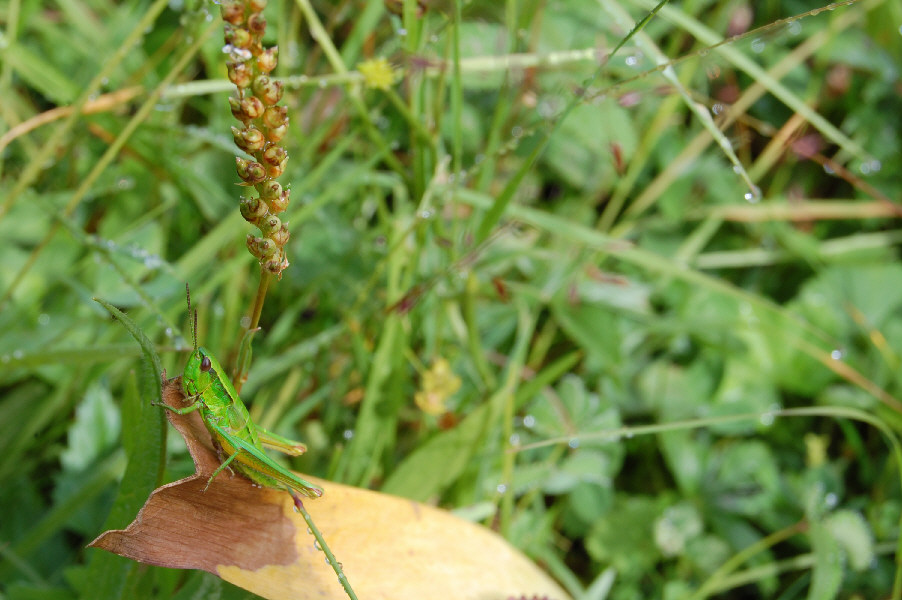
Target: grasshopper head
(198,371)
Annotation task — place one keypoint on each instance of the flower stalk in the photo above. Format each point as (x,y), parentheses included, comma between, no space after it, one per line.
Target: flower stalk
(263,125)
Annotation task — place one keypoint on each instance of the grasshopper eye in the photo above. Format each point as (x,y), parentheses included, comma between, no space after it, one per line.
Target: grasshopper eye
(205,364)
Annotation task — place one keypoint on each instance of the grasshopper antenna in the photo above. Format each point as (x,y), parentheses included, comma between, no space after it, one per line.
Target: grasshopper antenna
(194,324)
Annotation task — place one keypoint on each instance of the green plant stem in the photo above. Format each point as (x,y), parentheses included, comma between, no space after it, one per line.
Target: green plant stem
(336,566)
(257,309)
(243,365)
(714,581)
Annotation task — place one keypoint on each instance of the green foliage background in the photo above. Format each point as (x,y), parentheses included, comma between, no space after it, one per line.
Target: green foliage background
(672,385)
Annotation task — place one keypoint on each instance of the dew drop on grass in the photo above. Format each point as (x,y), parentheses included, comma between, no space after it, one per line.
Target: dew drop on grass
(831,500)
(514,440)
(529,421)
(795,28)
(753,195)
(501,488)
(836,354)
(869,166)
(317,546)
(310,531)
(757,45)
(348,434)
(573,443)
(44,319)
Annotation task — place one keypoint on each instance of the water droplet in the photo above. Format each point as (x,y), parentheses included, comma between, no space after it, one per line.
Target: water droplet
(43,319)
(767,419)
(831,500)
(18,354)
(573,443)
(529,421)
(828,169)
(501,488)
(795,28)
(717,108)
(348,434)
(631,61)
(836,354)
(310,531)
(426,214)
(402,31)
(629,435)
(316,545)
(757,45)
(168,331)
(514,439)
(245,322)
(516,131)
(753,195)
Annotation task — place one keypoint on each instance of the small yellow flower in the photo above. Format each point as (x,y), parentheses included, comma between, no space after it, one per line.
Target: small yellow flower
(816,449)
(377,73)
(439,384)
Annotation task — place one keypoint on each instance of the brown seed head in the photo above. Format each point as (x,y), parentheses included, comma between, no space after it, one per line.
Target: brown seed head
(268,59)
(239,74)
(232,11)
(252,209)
(256,24)
(274,155)
(252,107)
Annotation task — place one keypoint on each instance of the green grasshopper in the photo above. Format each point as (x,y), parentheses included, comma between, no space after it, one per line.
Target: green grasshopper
(234,433)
